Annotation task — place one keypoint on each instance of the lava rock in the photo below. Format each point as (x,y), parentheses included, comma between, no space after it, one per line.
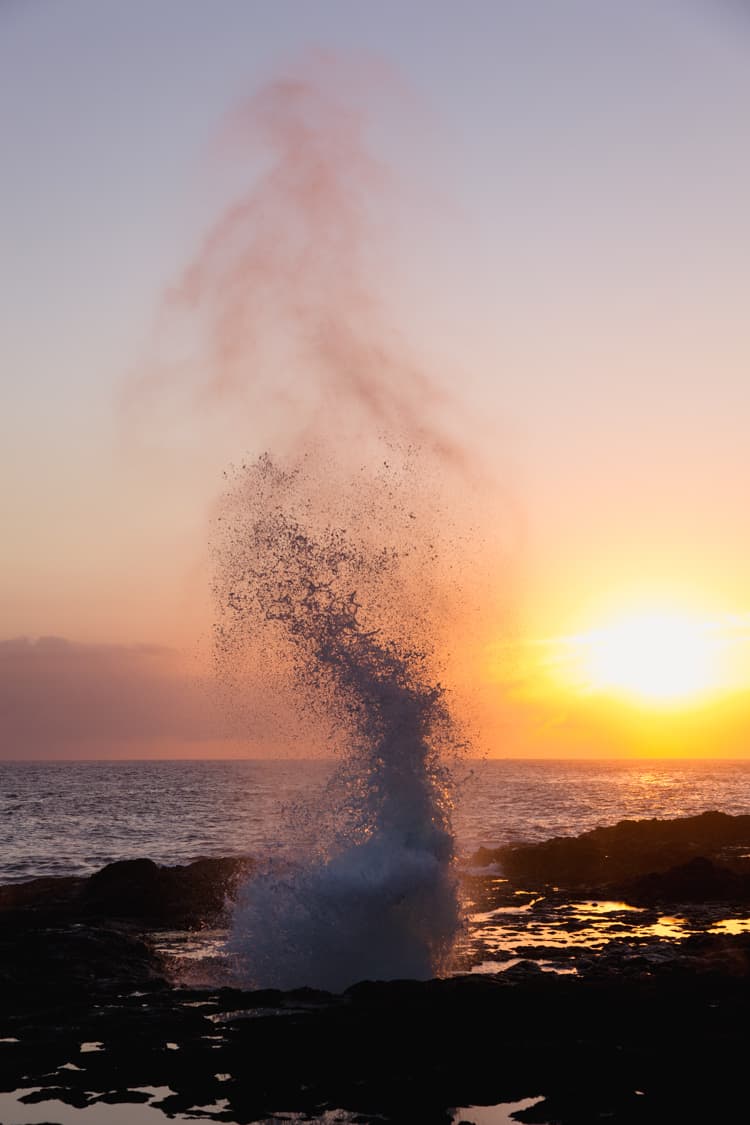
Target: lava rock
(139,889)
(698,880)
(53,966)
(625,850)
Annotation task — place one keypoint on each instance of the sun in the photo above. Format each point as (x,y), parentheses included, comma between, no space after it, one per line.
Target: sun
(658,657)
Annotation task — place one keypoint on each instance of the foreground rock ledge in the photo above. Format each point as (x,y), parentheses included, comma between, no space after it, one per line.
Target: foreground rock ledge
(668,1047)
(88,1012)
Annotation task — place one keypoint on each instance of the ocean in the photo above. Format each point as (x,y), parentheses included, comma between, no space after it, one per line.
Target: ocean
(71,818)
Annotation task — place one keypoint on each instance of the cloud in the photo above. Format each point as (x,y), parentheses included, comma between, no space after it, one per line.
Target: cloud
(63,699)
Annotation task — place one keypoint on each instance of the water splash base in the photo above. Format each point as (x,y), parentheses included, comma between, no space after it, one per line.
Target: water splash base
(336,617)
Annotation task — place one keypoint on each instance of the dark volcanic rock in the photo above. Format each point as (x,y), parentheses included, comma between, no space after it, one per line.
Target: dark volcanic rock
(60,894)
(140,889)
(698,880)
(47,966)
(655,1047)
(624,851)
(65,940)
(135,889)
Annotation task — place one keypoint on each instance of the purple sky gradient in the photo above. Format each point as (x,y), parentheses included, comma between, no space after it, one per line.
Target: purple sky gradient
(569,257)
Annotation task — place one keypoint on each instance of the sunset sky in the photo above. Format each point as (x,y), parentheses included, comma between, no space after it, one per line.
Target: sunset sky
(550,207)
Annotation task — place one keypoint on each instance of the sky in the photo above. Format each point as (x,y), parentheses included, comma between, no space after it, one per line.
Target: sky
(550,205)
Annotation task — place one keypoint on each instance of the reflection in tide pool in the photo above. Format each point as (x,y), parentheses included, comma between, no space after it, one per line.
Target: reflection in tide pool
(551,933)
(544,930)
(606,908)
(488,915)
(493,1114)
(731,926)
(667,927)
(12,1109)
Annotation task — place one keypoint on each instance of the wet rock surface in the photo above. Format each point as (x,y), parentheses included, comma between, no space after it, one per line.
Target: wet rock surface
(75,941)
(696,881)
(135,889)
(625,850)
(645,1047)
(647,1021)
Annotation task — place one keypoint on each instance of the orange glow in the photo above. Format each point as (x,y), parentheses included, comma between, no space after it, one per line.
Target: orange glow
(648,658)
(657,657)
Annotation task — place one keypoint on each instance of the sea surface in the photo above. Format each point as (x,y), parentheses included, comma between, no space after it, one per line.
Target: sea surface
(63,818)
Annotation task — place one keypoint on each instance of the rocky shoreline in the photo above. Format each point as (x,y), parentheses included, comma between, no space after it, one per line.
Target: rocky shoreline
(646,1023)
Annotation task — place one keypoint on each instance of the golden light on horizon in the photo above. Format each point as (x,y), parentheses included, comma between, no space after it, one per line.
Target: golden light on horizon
(649,677)
(656,657)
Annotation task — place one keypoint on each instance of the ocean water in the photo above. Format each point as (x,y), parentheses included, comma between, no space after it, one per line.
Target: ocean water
(64,818)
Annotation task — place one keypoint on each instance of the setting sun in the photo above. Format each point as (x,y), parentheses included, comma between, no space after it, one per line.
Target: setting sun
(661,657)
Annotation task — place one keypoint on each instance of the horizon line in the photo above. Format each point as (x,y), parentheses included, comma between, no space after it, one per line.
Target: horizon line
(335,758)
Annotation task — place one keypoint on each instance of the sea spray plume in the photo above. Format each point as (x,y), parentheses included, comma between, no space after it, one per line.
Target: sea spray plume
(278,325)
(277,318)
(379,896)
